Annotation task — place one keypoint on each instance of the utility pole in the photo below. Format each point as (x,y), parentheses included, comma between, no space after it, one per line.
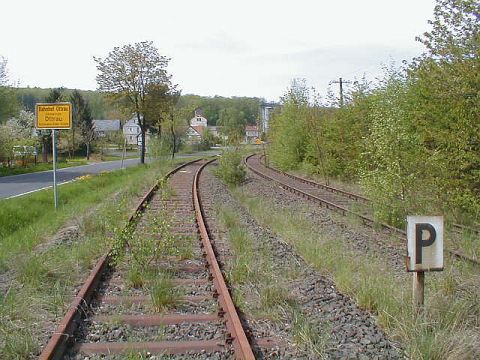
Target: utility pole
(341,82)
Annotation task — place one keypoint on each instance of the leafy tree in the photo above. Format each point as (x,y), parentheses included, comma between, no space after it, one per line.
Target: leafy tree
(86,127)
(3,72)
(160,102)
(78,107)
(445,90)
(22,125)
(455,30)
(128,73)
(8,102)
(287,131)
(16,131)
(232,122)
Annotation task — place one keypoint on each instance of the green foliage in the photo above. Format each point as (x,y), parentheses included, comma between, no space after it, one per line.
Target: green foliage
(288,132)
(8,103)
(163,293)
(130,75)
(232,124)
(208,140)
(413,140)
(394,160)
(213,106)
(230,169)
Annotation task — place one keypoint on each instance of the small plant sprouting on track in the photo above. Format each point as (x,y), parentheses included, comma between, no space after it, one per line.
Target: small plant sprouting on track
(163,293)
(149,246)
(135,277)
(307,335)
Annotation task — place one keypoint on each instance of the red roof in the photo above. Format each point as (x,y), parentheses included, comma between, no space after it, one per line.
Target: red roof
(251,128)
(199,129)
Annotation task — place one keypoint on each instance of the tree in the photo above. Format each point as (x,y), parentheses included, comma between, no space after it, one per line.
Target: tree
(455,30)
(3,72)
(287,131)
(8,101)
(128,73)
(86,127)
(232,122)
(160,103)
(446,94)
(22,125)
(78,105)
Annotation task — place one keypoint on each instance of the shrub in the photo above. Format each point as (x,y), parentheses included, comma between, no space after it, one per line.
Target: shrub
(231,170)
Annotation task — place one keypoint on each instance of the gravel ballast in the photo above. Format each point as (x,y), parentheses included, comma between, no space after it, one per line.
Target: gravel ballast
(348,332)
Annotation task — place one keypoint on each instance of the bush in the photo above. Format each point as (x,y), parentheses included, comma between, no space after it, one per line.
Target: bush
(231,170)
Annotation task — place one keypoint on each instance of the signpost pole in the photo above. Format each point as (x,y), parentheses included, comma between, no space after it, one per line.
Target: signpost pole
(124,150)
(54,145)
(418,291)
(53,116)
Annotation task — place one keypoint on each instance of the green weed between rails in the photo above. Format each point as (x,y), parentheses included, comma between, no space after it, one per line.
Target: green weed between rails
(43,281)
(163,293)
(149,245)
(450,325)
(260,289)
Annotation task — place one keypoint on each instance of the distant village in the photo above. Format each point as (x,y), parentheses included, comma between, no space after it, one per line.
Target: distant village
(198,127)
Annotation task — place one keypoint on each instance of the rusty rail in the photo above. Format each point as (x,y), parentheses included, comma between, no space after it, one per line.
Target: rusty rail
(342,210)
(241,345)
(459,228)
(56,346)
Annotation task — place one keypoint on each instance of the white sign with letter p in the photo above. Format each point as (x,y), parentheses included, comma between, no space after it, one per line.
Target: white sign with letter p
(425,243)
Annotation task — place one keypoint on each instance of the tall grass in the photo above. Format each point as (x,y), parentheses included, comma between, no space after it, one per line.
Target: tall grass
(253,275)
(449,327)
(43,279)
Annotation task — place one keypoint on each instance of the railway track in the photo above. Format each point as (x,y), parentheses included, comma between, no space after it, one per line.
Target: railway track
(337,200)
(109,317)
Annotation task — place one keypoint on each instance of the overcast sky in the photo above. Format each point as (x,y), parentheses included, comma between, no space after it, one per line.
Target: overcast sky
(217,47)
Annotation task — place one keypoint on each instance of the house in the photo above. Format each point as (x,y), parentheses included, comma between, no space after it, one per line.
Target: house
(251,133)
(103,127)
(198,125)
(198,119)
(195,133)
(132,131)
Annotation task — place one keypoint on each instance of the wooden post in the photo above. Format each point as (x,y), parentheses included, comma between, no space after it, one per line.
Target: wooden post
(418,291)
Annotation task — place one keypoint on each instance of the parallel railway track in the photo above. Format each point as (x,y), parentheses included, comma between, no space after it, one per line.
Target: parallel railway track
(100,302)
(337,200)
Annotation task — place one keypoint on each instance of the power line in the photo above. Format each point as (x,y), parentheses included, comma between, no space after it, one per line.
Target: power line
(341,82)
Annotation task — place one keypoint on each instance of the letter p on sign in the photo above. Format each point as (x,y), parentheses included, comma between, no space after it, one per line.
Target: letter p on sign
(425,243)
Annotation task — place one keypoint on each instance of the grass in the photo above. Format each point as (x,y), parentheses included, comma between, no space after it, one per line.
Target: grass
(163,293)
(449,327)
(261,288)
(39,282)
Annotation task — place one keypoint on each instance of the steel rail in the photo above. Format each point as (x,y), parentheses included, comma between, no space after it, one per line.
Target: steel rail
(239,339)
(329,188)
(344,211)
(56,346)
(458,228)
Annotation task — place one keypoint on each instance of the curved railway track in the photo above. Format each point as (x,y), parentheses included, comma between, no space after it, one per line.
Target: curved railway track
(337,200)
(207,302)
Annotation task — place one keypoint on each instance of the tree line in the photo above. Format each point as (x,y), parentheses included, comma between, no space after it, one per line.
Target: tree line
(132,81)
(412,140)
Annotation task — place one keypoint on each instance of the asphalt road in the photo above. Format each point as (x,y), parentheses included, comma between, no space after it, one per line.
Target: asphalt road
(25,183)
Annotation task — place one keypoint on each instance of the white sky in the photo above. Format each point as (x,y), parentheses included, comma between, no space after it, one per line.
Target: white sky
(228,48)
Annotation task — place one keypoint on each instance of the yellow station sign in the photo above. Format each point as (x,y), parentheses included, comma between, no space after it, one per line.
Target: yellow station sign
(53,116)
